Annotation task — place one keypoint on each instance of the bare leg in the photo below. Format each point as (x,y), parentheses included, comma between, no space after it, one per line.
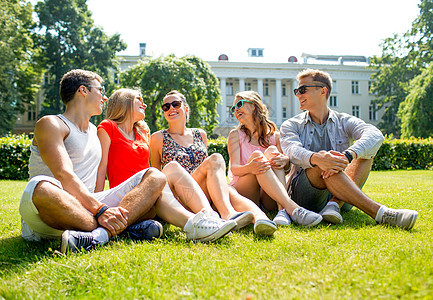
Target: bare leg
(141,199)
(342,187)
(281,175)
(358,172)
(169,209)
(59,209)
(211,176)
(185,188)
(240,203)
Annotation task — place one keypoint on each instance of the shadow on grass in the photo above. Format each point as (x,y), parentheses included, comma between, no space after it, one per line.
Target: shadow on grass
(16,253)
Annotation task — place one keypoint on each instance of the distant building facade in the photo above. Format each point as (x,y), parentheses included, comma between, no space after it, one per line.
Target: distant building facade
(275,83)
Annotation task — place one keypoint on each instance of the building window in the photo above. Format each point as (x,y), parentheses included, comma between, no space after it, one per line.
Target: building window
(370,85)
(230,113)
(284,112)
(229,88)
(334,86)
(255,52)
(248,86)
(355,110)
(333,101)
(283,90)
(355,87)
(46,79)
(31,115)
(372,113)
(266,89)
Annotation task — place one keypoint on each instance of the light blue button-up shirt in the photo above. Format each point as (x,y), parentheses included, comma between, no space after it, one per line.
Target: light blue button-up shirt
(345,132)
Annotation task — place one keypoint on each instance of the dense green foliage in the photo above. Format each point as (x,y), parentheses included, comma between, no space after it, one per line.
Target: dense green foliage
(395,154)
(14,157)
(355,260)
(190,75)
(19,75)
(69,39)
(404,57)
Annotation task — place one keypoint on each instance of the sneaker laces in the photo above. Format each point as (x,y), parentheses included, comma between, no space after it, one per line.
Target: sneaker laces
(205,219)
(389,217)
(85,241)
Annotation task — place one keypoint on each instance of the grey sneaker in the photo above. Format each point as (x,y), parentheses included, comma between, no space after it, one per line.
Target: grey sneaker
(207,227)
(264,227)
(146,230)
(282,218)
(403,218)
(242,219)
(331,214)
(74,241)
(305,217)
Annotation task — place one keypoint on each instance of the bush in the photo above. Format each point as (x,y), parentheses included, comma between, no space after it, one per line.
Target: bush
(395,154)
(14,156)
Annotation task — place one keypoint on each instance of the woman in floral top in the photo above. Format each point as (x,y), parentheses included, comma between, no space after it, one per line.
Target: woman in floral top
(187,147)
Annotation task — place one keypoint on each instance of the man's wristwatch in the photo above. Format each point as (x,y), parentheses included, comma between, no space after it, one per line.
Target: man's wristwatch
(348,155)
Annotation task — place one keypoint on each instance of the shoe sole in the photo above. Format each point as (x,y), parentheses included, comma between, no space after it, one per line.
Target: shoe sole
(317,221)
(243,219)
(161,229)
(333,217)
(264,227)
(226,228)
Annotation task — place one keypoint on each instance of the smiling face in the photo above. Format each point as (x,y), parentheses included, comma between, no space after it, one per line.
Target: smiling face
(314,98)
(175,113)
(138,108)
(243,110)
(95,97)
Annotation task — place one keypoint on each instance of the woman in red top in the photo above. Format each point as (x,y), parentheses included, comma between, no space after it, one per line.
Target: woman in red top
(124,139)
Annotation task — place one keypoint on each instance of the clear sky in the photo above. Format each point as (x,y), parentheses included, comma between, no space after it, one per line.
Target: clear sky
(283,28)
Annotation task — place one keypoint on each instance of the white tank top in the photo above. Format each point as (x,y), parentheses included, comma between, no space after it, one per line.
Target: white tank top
(84,150)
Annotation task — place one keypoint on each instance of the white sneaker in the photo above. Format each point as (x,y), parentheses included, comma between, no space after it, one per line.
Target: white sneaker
(331,214)
(305,217)
(282,218)
(207,226)
(403,218)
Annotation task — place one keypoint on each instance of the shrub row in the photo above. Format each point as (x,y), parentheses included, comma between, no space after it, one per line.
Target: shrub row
(395,154)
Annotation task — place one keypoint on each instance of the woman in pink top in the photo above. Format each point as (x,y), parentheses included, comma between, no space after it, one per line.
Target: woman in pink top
(257,165)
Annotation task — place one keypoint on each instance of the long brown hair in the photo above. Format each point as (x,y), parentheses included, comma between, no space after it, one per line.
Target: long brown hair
(120,108)
(264,127)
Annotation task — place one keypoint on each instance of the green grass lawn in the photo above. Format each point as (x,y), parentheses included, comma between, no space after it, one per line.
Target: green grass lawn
(357,259)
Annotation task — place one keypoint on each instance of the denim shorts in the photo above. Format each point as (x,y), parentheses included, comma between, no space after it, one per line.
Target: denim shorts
(32,226)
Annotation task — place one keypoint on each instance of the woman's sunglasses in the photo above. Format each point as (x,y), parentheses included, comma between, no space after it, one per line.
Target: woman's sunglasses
(175,104)
(239,104)
(303,89)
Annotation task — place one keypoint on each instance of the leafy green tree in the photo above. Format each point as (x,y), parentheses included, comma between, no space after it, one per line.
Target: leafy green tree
(189,75)
(416,111)
(69,39)
(19,76)
(403,58)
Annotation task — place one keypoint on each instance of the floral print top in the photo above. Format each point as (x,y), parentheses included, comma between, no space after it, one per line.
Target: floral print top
(188,157)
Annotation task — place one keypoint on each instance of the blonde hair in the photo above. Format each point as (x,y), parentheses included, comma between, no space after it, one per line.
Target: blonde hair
(182,97)
(120,107)
(264,127)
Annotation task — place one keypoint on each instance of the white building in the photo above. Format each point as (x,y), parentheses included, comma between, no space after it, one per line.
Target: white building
(275,83)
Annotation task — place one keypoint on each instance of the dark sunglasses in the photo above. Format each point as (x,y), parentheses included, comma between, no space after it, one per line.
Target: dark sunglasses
(175,104)
(239,104)
(303,89)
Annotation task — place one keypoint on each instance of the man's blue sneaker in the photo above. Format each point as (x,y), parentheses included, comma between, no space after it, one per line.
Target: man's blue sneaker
(146,230)
(74,241)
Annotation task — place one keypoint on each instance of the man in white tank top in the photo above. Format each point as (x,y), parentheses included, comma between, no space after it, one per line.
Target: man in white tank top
(59,200)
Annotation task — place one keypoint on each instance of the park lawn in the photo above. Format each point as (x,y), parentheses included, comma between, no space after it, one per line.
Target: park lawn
(357,259)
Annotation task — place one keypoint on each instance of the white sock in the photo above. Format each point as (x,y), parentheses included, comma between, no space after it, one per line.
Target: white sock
(101,235)
(188,224)
(379,213)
